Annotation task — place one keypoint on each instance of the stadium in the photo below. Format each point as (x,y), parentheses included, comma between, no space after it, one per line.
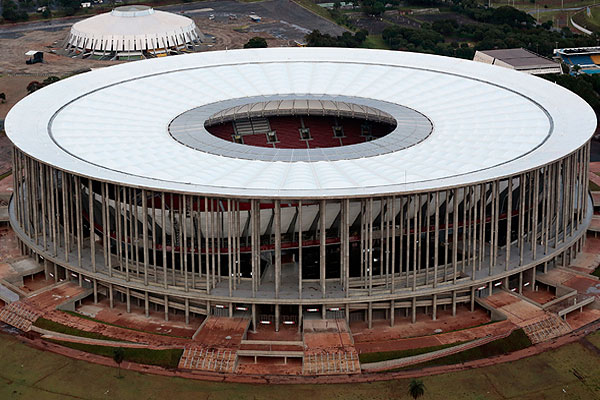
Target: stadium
(133,32)
(293,184)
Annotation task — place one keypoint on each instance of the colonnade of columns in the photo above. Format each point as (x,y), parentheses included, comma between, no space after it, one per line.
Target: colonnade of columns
(351,249)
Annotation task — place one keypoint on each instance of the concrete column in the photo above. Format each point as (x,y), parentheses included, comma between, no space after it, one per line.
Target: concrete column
(254,317)
(128,300)
(392,313)
(166,301)
(146,304)
(95,291)
(414,310)
(277,217)
(472,298)
(370,315)
(520,282)
(454,303)
(322,260)
(277,317)
(434,307)
(111,300)
(300,251)
(187,311)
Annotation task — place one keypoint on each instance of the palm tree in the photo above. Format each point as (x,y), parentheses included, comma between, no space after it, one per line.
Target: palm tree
(416,388)
(118,356)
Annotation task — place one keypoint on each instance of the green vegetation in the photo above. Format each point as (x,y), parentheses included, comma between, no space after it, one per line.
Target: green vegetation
(517,340)
(312,6)
(28,373)
(392,355)
(592,22)
(168,358)
(416,388)
(318,39)
(594,187)
(596,272)
(118,357)
(13,12)
(67,330)
(375,42)
(256,43)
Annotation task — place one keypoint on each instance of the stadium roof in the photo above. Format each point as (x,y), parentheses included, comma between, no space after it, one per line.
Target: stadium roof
(113,123)
(520,59)
(133,27)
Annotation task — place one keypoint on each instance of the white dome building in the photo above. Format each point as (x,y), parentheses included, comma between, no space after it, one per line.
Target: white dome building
(133,32)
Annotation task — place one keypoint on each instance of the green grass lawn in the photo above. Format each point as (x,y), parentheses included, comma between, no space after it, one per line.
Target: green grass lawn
(27,373)
(517,340)
(312,6)
(165,358)
(59,328)
(594,187)
(375,42)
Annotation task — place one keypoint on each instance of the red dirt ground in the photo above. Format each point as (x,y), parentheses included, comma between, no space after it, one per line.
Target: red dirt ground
(495,328)
(519,312)
(155,323)
(584,285)
(327,335)
(36,282)
(540,296)
(216,331)
(9,248)
(424,326)
(267,332)
(6,184)
(269,366)
(578,319)
(49,299)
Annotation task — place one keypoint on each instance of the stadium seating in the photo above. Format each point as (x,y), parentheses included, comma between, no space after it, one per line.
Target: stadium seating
(580,60)
(253,132)
(223,131)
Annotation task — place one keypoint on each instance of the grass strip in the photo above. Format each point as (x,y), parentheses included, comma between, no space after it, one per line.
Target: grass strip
(316,9)
(392,355)
(517,340)
(594,187)
(49,325)
(596,272)
(76,314)
(168,358)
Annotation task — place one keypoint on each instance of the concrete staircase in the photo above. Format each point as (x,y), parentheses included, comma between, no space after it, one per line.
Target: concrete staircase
(203,358)
(331,363)
(19,315)
(546,329)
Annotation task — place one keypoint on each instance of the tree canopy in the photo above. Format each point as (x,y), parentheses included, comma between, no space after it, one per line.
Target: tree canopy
(256,42)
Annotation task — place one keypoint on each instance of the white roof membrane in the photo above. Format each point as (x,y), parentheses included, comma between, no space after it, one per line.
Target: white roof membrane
(488,122)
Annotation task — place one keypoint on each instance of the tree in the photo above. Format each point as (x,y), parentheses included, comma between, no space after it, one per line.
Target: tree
(2,98)
(416,388)
(33,86)
(50,79)
(12,12)
(256,43)
(70,7)
(118,356)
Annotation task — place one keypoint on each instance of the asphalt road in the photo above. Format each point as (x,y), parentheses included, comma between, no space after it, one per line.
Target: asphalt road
(292,20)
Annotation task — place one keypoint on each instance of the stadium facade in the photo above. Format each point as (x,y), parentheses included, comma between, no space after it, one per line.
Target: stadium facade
(123,182)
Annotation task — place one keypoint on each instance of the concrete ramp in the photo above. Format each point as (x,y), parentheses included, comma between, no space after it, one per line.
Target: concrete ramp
(329,348)
(216,344)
